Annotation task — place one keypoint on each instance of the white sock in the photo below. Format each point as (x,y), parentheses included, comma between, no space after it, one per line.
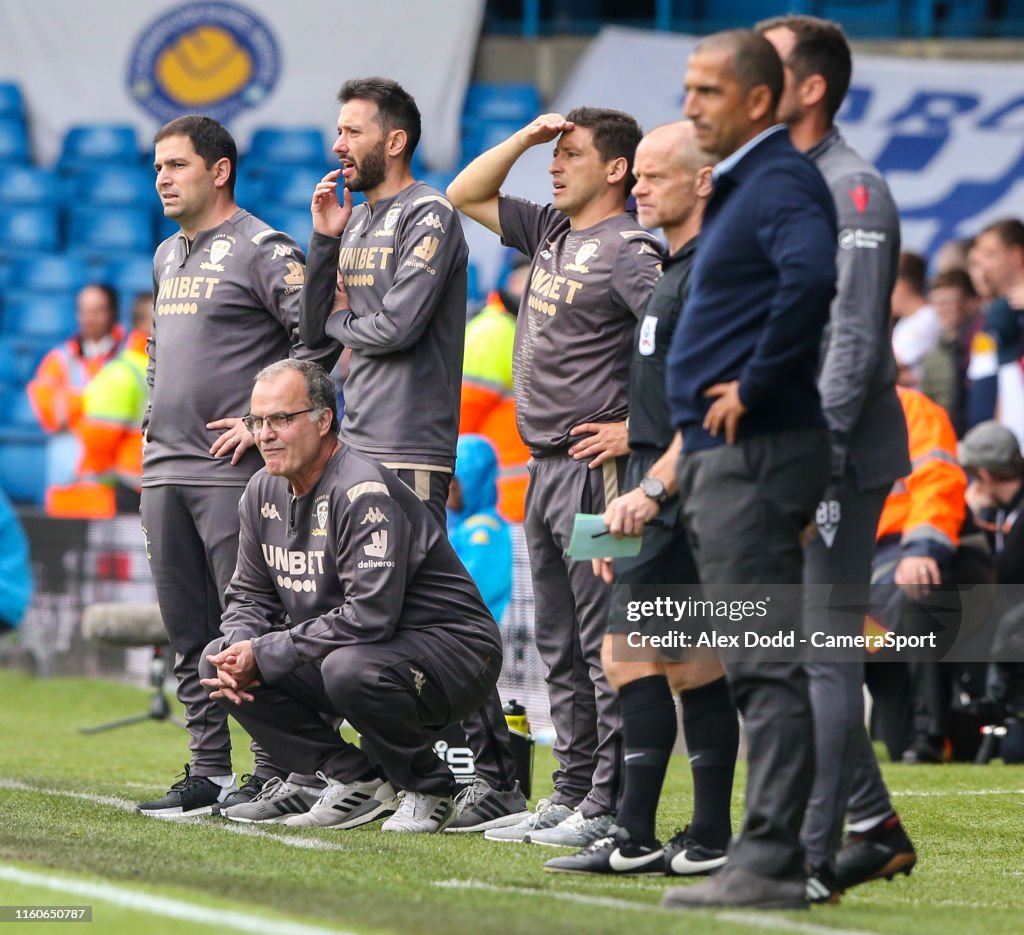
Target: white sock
(866,824)
(224,781)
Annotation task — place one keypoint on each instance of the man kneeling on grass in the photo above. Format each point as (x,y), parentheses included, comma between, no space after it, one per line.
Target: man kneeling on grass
(347,602)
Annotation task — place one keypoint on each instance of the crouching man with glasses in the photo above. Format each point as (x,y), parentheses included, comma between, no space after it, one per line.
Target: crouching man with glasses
(347,601)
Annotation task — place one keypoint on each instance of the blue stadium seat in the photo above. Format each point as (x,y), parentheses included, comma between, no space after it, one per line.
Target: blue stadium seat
(286,146)
(11,101)
(109,231)
(290,186)
(93,144)
(478,136)
(249,187)
(14,145)
(39,315)
(114,185)
(742,14)
(515,103)
(130,277)
(17,410)
(883,18)
(51,272)
(29,185)
(297,224)
(28,229)
(19,358)
(23,465)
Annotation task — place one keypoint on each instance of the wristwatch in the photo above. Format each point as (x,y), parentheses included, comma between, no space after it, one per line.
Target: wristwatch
(655,489)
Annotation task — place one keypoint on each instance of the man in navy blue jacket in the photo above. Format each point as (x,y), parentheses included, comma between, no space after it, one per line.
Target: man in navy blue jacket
(741,381)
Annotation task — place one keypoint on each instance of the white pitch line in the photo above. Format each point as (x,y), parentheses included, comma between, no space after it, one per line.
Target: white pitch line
(230,827)
(752,919)
(162,906)
(930,793)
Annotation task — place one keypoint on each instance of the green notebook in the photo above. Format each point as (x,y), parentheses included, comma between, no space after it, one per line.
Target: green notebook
(590,539)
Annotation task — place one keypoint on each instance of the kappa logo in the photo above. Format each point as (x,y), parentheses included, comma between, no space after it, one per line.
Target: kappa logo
(426,248)
(377,547)
(281,250)
(431,220)
(373,515)
(418,679)
(647,250)
(269,511)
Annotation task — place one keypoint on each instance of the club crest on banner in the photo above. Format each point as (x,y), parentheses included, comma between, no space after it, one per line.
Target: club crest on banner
(217,58)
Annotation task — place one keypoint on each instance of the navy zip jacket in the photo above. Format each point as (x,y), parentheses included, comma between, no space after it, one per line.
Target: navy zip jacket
(759,297)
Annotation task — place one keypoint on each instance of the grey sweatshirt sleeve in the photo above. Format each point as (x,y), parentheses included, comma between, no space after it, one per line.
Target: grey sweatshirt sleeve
(252,605)
(858,329)
(524,223)
(317,295)
(429,245)
(277,276)
(375,562)
(637,269)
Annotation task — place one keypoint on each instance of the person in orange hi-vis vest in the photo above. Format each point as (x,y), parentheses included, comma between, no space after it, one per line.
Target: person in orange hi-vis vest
(56,390)
(488,407)
(110,431)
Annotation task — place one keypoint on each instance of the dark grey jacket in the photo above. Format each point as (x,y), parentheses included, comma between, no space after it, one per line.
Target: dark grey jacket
(857,371)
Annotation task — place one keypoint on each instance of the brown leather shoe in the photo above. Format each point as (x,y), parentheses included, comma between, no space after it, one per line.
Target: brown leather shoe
(736,888)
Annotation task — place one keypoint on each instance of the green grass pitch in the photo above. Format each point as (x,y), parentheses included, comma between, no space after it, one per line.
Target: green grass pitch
(68,837)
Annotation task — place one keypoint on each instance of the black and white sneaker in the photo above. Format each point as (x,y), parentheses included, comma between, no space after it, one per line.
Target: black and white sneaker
(251,787)
(823,885)
(190,797)
(478,807)
(881,852)
(685,857)
(616,854)
(348,805)
(274,803)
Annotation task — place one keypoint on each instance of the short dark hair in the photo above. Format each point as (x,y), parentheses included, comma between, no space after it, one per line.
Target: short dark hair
(396,107)
(210,140)
(912,269)
(1009,230)
(616,136)
(954,279)
(754,59)
(110,294)
(319,386)
(820,49)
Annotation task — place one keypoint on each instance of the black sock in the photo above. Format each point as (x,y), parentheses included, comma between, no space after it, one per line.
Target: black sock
(648,733)
(712,733)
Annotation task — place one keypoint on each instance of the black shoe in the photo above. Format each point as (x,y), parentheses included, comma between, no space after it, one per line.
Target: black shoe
(685,857)
(883,851)
(616,854)
(823,885)
(189,797)
(251,787)
(923,750)
(735,888)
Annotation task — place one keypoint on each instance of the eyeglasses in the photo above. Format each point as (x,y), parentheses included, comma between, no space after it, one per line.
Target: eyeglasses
(277,421)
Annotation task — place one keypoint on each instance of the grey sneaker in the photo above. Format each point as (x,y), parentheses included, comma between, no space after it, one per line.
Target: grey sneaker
(276,801)
(347,805)
(547,815)
(421,812)
(479,807)
(251,787)
(575,831)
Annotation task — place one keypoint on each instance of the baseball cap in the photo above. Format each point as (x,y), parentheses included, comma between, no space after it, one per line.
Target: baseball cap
(991,446)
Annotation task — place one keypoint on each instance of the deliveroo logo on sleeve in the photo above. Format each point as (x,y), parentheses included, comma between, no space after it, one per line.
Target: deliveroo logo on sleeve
(212,58)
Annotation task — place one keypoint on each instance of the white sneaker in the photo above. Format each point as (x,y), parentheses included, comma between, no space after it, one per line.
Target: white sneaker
(575,831)
(347,805)
(547,815)
(421,812)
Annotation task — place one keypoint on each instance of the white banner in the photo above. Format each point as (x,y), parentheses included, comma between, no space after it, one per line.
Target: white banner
(946,134)
(245,62)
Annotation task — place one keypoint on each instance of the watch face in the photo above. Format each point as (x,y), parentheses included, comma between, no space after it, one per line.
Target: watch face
(653,488)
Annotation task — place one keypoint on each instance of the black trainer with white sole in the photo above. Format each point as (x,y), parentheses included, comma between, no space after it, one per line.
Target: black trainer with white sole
(615,855)
(685,857)
(190,797)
